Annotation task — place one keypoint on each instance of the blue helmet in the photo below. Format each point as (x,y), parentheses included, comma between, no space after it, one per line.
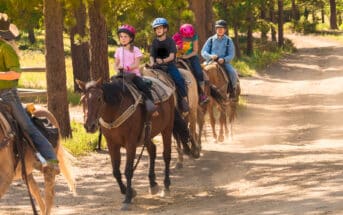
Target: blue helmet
(159,22)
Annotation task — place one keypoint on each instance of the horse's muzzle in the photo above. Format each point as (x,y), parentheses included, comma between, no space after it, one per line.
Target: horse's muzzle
(91,127)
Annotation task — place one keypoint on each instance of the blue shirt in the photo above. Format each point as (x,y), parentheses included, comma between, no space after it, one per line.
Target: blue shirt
(218,48)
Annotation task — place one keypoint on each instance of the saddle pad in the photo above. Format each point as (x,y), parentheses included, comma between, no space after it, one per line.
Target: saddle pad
(159,90)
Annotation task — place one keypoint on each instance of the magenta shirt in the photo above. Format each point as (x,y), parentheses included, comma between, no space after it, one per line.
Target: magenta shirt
(127,58)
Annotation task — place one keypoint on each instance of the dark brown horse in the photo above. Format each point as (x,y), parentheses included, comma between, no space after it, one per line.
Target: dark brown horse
(219,81)
(11,167)
(122,121)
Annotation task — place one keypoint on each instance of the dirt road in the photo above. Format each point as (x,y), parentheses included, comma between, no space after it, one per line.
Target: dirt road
(286,156)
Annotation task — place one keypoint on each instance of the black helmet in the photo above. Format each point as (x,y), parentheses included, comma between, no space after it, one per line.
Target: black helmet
(221,24)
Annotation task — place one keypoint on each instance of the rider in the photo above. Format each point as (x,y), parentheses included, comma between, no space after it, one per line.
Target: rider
(127,59)
(9,76)
(162,53)
(187,44)
(220,48)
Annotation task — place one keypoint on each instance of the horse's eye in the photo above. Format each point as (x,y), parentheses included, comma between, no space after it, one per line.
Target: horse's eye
(99,99)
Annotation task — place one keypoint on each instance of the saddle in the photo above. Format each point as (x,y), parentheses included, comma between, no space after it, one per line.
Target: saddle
(9,127)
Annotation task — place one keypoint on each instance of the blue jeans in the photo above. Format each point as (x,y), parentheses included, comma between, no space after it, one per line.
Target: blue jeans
(197,70)
(231,73)
(41,143)
(178,79)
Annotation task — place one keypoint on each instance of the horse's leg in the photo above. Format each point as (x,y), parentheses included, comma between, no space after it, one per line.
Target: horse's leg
(130,157)
(222,121)
(35,191)
(212,119)
(152,177)
(116,159)
(179,162)
(49,184)
(166,136)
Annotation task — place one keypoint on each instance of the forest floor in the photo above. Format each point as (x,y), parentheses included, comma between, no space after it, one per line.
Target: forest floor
(286,156)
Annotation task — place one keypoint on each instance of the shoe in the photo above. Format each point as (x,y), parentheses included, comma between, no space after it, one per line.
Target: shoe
(151,107)
(184,106)
(52,166)
(203,99)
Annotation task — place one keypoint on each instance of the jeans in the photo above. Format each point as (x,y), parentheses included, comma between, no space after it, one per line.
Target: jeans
(41,143)
(197,70)
(178,79)
(231,73)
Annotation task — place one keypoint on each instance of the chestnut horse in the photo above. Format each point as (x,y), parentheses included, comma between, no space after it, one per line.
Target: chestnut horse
(122,119)
(218,80)
(192,116)
(11,170)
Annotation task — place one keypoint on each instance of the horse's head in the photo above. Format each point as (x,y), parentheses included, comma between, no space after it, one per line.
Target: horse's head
(92,100)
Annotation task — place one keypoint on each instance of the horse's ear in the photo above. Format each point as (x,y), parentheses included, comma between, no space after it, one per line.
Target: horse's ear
(81,84)
(99,82)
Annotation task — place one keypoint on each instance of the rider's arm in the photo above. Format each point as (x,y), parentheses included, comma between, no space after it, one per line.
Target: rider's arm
(205,51)
(231,52)
(11,62)
(9,76)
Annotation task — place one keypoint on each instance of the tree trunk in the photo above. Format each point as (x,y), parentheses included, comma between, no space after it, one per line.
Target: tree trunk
(295,12)
(32,37)
(80,47)
(55,65)
(272,19)
(333,19)
(264,36)
(203,18)
(280,23)
(99,67)
(249,33)
(323,14)
(236,41)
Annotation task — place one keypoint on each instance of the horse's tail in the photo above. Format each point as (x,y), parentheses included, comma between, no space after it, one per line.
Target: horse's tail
(64,159)
(180,131)
(214,92)
(63,156)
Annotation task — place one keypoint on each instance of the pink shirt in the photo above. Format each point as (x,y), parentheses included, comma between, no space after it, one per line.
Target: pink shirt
(127,58)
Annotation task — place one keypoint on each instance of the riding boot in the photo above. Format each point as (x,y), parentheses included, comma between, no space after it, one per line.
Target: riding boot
(203,97)
(150,107)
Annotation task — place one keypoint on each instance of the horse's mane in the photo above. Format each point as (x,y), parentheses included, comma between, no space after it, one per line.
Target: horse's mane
(113,91)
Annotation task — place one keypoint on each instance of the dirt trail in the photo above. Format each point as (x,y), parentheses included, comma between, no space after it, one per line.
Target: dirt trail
(286,157)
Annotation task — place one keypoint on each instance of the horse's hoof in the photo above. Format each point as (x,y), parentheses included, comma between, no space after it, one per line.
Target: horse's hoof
(125,207)
(165,193)
(221,139)
(196,154)
(178,165)
(154,190)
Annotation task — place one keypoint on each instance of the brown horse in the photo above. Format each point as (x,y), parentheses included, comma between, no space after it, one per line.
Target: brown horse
(192,116)
(219,81)
(122,119)
(11,170)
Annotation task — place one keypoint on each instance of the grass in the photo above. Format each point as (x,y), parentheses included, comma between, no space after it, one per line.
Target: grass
(82,142)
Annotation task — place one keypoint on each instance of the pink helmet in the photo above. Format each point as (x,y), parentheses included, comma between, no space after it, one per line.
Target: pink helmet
(127,29)
(187,30)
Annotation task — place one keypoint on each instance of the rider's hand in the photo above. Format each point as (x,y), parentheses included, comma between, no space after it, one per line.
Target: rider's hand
(221,60)
(214,57)
(159,60)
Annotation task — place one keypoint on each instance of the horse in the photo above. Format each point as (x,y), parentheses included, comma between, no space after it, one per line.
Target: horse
(219,83)
(123,120)
(11,167)
(192,117)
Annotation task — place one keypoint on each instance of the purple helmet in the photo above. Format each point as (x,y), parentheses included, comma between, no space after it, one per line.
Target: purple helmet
(187,30)
(127,29)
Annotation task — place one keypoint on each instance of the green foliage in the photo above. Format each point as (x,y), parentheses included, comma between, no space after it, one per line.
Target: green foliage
(304,26)
(81,143)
